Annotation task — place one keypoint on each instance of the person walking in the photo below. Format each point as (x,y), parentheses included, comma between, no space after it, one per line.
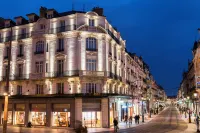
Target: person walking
(138,119)
(130,119)
(126,119)
(115,125)
(135,119)
(197,122)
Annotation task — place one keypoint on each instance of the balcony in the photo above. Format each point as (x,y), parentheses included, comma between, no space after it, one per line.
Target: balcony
(22,36)
(38,32)
(36,76)
(112,75)
(62,29)
(92,73)
(39,52)
(91,49)
(62,74)
(113,36)
(128,82)
(20,77)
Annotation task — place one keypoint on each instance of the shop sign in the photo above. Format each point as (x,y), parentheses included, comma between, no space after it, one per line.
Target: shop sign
(124,106)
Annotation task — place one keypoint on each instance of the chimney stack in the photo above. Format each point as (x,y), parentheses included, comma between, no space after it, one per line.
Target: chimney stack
(43,11)
(98,10)
(2,23)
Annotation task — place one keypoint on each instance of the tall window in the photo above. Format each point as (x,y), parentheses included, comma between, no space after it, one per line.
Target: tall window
(19,90)
(91,22)
(110,48)
(6,52)
(23,31)
(39,67)
(91,44)
(20,70)
(47,47)
(91,88)
(60,44)
(62,23)
(39,47)
(6,70)
(20,50)
(39,89)
(91,64)
(60,67)
(60,88)
(42,26)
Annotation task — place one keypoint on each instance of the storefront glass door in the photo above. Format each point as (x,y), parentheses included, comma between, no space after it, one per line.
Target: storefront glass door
(91,119)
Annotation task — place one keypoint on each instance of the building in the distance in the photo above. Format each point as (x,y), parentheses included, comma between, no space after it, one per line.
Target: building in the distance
(68,68)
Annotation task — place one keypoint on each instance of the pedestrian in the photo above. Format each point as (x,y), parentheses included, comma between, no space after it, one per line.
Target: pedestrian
(197,122)
(126,119)
(135,119)
(115,125)
(138,119)
(130,119)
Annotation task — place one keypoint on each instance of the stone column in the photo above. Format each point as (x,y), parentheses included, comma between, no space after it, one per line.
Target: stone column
(78,112)
(48,114)
(27,111)
(105,112)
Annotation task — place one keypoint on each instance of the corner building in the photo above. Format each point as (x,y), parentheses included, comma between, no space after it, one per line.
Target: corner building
(66,69)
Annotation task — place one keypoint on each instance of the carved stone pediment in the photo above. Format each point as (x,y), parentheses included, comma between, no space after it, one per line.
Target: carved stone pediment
(60,55)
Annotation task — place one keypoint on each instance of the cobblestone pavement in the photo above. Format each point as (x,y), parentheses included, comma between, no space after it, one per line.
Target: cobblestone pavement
(169,121)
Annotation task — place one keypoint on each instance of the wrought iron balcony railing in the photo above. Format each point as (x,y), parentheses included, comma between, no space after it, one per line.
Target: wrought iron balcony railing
(39,52)
(62,73)
(62,29)
(91,49)
(92,73)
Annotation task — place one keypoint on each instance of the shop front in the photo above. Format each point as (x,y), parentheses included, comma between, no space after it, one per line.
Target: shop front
(10,114)
(91,115)
(38,114)
(61,115)
(19,114)
(112,111)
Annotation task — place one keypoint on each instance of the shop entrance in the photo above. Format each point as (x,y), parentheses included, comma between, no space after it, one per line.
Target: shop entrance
(92,119)
(61,119)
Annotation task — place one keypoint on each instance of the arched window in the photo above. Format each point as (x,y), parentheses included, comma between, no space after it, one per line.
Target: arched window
(91,44)
(39,47)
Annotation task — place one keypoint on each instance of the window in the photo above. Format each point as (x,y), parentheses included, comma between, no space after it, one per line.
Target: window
(7,24)
(91,44)
(50,16)
(18,22)
(6,52)
(90,88)
(60,66)
(91,64)
(6,70)
(60,88)
(91,22)
(47,47)
(110,63)
(39,47)
(20,50)
(60,44)
(42,26)
(115,51)
(39,67)
(23,31)
(46,67)
(62,23)
(19,90)
(20,70)
(110,48)
(39,89)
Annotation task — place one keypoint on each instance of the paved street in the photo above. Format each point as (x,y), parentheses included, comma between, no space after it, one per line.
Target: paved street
(168,121)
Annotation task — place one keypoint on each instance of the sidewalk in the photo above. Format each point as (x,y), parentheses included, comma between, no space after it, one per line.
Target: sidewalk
(192,128)
(122,125)
(15,129)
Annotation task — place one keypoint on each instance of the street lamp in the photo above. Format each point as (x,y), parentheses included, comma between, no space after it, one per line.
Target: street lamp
(188,100)
(185,108)
(195,98)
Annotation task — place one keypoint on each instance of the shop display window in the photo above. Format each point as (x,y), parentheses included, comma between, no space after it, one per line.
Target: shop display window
(61,119)
(9,117)
(38,118)
(91,119)
(19,117)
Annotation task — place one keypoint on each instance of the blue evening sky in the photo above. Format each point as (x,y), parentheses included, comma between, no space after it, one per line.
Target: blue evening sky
(162,31)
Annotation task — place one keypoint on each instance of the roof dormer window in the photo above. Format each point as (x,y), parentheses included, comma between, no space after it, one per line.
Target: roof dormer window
(18,22)
(7,25)
(91,22)
(49,16)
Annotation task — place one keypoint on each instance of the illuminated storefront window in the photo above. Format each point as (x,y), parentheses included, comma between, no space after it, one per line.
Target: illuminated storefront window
(38,114)
(91,115)
(10,115)
(61,115)
(19,114)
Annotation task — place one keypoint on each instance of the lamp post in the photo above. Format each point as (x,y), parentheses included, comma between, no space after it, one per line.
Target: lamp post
(188,100)
(185,108)
(195,98)
(5,118)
